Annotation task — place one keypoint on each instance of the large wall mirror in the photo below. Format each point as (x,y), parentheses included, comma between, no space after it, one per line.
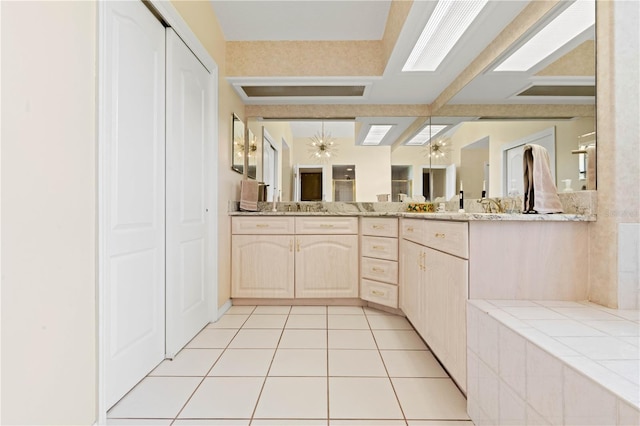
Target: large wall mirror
(238,145)
(474,138)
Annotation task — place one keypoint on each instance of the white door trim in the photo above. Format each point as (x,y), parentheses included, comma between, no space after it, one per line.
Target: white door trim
(172,17)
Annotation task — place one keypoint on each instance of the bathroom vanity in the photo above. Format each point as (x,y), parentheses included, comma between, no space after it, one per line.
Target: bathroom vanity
(427,265)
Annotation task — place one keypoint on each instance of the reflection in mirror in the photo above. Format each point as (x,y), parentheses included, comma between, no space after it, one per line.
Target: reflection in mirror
(252,154)
(344,182)
(237,144)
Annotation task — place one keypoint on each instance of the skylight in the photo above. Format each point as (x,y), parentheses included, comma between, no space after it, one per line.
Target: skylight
(426,134)
(572,22)
(449,20)
(377,132)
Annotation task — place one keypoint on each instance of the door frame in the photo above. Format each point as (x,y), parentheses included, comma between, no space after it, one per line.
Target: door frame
(166,12)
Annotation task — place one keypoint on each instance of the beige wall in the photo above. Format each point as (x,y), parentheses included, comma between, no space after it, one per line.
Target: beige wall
(618,152)
(49,359)
(200,16)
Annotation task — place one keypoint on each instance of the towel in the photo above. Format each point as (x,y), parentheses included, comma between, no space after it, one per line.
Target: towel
(249,195)
(591,167)
(540,193)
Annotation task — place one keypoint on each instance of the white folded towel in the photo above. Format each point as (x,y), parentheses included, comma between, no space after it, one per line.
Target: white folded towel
(591,167)
(249,195)
(540,192)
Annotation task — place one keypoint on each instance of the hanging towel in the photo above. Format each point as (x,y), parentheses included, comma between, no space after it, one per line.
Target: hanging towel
(540,193)
(591,167)
(249,195)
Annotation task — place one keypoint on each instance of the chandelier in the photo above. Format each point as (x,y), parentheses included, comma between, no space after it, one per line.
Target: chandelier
(439,150)
(239,146)
(322,146)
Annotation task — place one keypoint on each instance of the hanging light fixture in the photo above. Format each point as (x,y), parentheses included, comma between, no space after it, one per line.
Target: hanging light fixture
(239,146)
(439,150)
(322,146)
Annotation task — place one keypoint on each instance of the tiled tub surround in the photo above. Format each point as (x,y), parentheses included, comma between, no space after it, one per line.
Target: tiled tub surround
(552,362)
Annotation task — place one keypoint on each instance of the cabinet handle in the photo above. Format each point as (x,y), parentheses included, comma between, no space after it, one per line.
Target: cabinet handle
(378,247)
(410,229)
(423,255)
(298,245)
(376,269)
(378,226)
(377,293)
(439,235)
(326,225)
(262,225)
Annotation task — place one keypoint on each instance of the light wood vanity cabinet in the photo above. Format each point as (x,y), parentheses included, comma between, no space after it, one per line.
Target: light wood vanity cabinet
(379,260)
(287,257)
(434,276)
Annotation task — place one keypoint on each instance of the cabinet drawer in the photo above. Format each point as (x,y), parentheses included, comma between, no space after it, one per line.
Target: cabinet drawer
(413,230)
(380,247)
(379,270)
(379,227)
(262,225)
(326,225)
(449,237)
(384,294)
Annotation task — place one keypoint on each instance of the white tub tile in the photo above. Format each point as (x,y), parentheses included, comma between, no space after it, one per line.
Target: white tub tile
(513,410)
(544,383)
(526,313)
(473,313)
(628,415)
(488,392)
(488,341)
(604,347)
(585,402)
(619,328)
(628,369)
(566,327)
(513,360)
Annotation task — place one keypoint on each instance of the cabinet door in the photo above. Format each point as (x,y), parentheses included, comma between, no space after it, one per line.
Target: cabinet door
(444,316)
(326,266)
(411,277)
(262,266)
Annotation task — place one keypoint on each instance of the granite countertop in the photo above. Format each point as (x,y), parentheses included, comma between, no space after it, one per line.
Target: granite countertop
(577,208)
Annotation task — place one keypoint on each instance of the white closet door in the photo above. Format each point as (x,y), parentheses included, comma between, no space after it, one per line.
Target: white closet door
(133,195)
(189,143)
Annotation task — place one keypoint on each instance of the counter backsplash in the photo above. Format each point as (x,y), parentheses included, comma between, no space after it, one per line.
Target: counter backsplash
(581,202)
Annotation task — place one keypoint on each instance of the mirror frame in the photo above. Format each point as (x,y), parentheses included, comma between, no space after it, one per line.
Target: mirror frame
(238,144)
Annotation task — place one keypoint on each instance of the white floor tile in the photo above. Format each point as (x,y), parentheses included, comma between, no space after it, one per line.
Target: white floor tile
(243,362)
(303,339)
(139,422)
(308,310)
(306,321)
(210,422)
(352,363)
(299,362)
(398,339)
(265,321)
(362,398)
(240,310)
(348,322)
(293,398)
(351,339)
(212,338)
(288,422)
(224,397)
(388,322)
(256,339)
(402,363)
(272,310)
(229,321)
(188,362)
(370,422)
(155,397)
(345,310)
(430,399)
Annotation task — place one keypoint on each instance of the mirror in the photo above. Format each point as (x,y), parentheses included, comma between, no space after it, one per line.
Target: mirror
(237,144)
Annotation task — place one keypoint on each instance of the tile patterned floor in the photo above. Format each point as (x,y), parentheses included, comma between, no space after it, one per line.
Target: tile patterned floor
(300,365)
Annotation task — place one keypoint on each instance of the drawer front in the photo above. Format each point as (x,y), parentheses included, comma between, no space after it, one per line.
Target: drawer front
(413,230)
(326,225)
(449,237)
(379,247)
(379,270)
(262,225)
(384,294)
(379,227)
